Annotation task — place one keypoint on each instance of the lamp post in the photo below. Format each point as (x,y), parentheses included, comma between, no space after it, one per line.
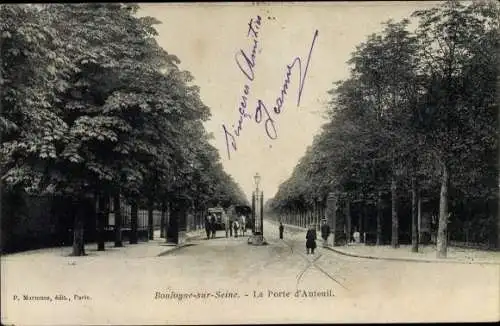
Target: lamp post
(258,236)
(256,178)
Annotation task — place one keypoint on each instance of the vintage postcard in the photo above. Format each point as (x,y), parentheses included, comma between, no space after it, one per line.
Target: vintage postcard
(249,163)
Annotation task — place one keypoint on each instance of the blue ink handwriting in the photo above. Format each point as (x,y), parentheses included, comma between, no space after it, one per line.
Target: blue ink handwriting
(246,63)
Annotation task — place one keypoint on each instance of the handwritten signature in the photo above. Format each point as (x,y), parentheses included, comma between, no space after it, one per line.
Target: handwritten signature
(246,63)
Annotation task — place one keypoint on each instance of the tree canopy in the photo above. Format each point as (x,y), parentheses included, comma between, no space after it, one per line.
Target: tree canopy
(419,105)
(92,104)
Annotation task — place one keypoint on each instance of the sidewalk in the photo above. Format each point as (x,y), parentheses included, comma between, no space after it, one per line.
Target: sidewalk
(425,254)
(403,253)
(143,249)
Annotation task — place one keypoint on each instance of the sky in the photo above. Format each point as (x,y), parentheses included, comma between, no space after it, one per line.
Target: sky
(240,50)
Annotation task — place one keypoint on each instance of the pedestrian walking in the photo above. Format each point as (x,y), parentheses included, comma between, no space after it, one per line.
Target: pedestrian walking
(282,228)
(325,232)
(208,226)
(236,226)
(311,239)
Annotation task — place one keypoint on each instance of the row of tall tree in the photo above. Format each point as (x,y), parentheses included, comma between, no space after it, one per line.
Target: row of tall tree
(417,117)
(93,108)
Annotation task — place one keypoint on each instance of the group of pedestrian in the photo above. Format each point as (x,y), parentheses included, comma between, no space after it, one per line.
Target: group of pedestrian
(234,227)
(210,226)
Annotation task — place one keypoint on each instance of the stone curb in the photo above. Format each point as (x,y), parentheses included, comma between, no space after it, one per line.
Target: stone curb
(175,248)
(179,246)
(454,261)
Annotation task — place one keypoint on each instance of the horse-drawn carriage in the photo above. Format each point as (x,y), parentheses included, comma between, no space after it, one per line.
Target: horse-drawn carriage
(221,218)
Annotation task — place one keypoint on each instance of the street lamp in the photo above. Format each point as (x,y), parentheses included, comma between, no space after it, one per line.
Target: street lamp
(256,179)
(258,236)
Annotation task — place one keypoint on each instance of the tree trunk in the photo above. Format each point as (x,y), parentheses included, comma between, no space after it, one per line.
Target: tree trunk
(173,221)
(498,172)
(364,223)
(167,220)
(134,211)
(103,201)
(78,229)
(360,220)
(335,222)
(498,220)
(151,228)
(414,216)
(162,221)
(394,214)
(419,217)
(379,219)
(441,240)
(331,210)
(348,220)
(118,220)
(316,214)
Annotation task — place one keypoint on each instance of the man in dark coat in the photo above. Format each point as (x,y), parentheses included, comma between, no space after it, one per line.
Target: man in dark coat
(282,228)
(311,239)
(325,232)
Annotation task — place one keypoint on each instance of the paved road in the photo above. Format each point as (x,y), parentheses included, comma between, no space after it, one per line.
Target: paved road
(222,280)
